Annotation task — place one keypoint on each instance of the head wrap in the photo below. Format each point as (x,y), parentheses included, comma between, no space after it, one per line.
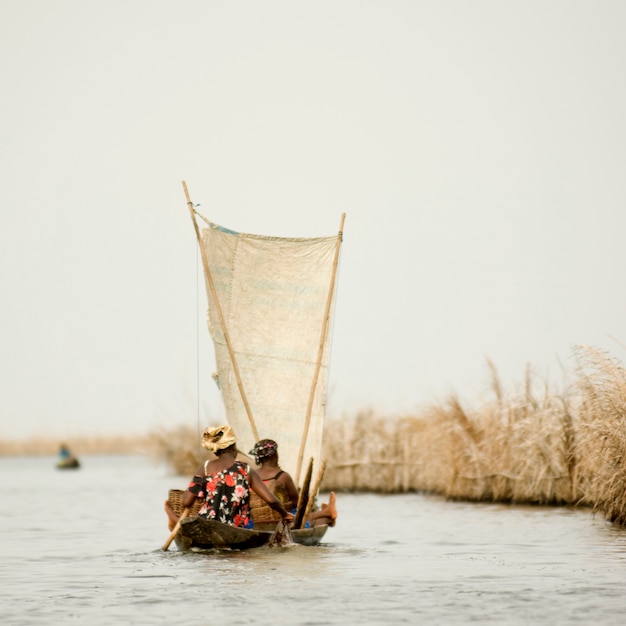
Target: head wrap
(214,439)
(264,449)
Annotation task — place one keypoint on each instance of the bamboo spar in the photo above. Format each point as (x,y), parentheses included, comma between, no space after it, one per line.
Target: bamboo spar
(209,278)
(320,351)
(303,498)
(313,491)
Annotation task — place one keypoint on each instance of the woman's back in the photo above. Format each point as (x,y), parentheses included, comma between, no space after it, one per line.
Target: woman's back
(223,484)
(224,488)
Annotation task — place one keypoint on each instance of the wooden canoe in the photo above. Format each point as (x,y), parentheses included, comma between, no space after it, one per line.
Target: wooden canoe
(70,463)
(199,532)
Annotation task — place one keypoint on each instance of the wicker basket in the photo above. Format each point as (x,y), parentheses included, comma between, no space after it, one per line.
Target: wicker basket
(260,511)
(175,496)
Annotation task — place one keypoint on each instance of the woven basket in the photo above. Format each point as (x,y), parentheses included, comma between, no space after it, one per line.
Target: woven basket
(261,512)
(175,496)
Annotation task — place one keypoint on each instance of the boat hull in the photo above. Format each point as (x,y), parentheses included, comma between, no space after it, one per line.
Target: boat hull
(68,464)
(309,536)
(200,533)
(304,536)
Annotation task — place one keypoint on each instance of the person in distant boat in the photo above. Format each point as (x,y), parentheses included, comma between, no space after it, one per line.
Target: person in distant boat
(223,484)
(66,459)
(279,482)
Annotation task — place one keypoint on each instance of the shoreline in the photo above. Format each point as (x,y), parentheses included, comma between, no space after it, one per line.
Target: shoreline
(80,446)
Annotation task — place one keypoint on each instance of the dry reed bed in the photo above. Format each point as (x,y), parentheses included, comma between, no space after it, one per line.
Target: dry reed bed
(181,449)
(601,443)
(533,445)
(516,453)
(49,446)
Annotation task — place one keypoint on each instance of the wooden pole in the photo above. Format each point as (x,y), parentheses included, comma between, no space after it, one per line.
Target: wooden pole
(171,538)
(303,499)
(320,351)
(313,492)
(209,278)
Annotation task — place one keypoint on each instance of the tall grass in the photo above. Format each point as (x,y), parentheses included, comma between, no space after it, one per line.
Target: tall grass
(602,432)
(515,449)
(532,444)
(49,446)
(180,448)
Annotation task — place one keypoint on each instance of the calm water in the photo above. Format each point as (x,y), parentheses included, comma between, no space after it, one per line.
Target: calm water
(84,547)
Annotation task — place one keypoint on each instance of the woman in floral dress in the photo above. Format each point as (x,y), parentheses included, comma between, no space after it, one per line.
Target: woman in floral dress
(224,483)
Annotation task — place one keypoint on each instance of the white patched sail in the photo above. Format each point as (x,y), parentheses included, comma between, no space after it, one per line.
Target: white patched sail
(270,306)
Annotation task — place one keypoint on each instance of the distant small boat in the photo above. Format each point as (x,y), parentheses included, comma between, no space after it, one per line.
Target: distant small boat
(66,459)
(69,463)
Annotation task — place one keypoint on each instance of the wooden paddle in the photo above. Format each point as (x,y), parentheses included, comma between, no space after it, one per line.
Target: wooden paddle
(316,486)
(183,515)
(303,499)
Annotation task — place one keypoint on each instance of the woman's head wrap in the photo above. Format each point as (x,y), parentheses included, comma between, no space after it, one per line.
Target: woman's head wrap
(220,438)
(264,449)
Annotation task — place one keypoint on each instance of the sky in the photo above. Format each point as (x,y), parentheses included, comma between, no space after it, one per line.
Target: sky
(478,150)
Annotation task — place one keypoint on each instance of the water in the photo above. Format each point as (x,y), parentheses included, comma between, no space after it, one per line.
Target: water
(84,547)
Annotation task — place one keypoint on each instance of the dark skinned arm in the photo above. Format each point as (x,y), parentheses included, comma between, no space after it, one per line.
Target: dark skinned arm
(189,498)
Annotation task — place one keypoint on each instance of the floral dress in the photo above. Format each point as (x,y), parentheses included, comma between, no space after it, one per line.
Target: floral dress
(226,495)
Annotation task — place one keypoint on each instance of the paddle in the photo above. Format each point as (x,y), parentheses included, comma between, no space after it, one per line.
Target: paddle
(184,514)
(303,500)
(316,486)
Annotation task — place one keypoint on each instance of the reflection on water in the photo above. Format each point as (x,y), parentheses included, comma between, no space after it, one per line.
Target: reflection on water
(86,546)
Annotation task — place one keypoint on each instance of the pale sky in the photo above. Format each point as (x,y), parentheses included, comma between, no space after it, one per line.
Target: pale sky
(477,148)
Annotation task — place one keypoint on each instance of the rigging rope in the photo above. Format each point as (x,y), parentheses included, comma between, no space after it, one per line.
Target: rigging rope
(197,355)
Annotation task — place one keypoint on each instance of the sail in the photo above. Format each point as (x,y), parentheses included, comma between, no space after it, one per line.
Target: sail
(269,316)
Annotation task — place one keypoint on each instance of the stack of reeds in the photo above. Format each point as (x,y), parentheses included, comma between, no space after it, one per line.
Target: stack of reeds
(79,445)
(602,432)
(515,451)
(179,448)
(532,445)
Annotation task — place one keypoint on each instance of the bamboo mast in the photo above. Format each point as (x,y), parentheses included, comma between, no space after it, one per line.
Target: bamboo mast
(320,351)
(218,308)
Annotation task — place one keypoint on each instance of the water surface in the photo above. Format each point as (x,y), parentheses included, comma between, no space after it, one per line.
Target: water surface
(84,547)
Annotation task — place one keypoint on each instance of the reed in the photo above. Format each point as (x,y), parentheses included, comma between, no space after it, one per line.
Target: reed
(179,447)
(531,444)
(601,383)
(518,447)
(79,445)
